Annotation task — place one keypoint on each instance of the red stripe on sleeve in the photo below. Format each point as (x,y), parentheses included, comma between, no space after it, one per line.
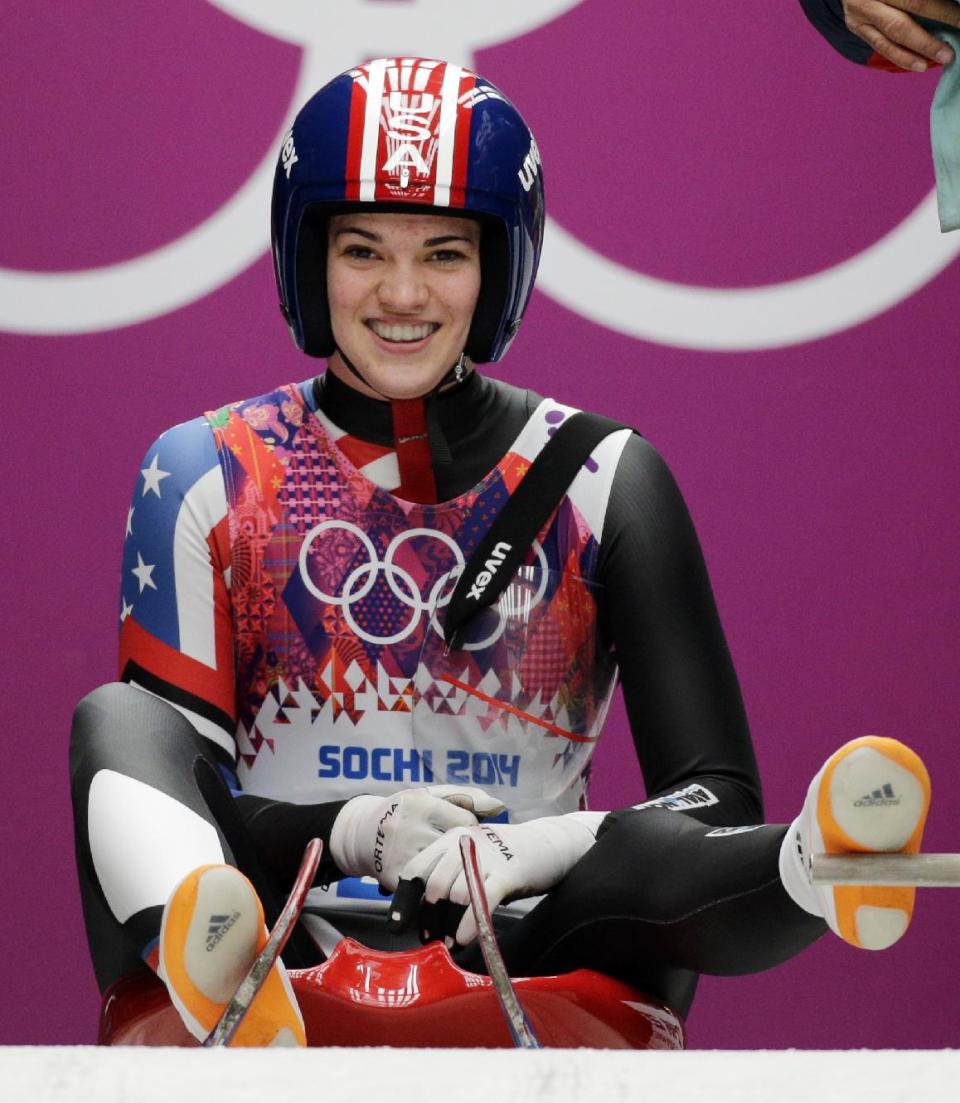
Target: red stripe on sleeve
(216,687)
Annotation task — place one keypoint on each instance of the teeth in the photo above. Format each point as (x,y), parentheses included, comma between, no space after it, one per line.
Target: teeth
(404,332)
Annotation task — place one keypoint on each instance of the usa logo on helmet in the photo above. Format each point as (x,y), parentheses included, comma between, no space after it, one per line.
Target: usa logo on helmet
(411,120)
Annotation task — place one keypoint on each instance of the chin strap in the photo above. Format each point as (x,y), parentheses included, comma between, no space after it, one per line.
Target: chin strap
(412,435)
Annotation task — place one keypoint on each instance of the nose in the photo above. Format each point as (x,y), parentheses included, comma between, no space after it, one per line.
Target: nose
(403,289)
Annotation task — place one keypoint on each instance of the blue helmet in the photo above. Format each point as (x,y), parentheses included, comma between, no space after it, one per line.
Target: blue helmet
(402,133)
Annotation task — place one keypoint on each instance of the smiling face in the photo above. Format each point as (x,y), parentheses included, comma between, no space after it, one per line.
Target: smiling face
(402,290)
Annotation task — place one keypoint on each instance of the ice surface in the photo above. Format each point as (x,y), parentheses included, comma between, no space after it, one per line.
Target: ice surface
(46,1074)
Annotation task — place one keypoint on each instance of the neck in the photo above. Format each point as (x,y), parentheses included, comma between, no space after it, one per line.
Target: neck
(479,418)
(340,365)
(369,416)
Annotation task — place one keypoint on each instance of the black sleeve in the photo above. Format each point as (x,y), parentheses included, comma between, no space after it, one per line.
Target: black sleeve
(827,17)
(280,831)
(657,610)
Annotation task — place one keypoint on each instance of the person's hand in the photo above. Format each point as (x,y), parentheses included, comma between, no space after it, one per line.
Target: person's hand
(516,860)
(377,836)
(888,27)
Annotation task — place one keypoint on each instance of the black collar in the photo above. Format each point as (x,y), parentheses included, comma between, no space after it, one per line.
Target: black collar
(458,409)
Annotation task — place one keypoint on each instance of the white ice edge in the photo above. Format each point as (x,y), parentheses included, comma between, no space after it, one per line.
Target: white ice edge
(49,1074)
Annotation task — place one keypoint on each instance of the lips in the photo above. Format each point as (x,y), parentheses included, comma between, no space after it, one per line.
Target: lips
(403,333)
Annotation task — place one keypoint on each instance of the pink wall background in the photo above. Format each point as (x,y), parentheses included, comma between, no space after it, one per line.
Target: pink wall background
(704,145)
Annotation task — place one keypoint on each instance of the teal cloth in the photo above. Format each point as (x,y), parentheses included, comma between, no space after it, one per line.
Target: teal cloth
(945,134)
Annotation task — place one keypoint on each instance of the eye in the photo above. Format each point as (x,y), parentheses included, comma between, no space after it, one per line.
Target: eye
(358,252)
(447,256)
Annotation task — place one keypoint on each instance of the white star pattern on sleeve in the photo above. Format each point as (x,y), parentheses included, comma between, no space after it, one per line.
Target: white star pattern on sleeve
(129,531)
(152,476)
(126,610)
(144,573)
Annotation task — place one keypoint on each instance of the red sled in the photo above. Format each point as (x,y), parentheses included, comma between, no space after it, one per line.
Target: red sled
(411,998)
(417,998)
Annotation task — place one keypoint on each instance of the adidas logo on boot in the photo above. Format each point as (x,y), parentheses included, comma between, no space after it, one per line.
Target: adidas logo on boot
(211,933)
(871,796)
(878,798)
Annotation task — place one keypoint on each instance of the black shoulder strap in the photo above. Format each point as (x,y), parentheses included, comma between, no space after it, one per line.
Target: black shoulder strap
(504,548)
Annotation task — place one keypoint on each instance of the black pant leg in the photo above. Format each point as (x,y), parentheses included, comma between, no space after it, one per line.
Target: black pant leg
(661,898)
(126,730)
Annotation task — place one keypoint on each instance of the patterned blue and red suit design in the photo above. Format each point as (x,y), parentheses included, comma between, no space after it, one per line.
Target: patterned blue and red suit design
(175,634)
(280,595)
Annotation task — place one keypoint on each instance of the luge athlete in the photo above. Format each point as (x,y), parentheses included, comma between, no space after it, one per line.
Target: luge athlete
(288,564)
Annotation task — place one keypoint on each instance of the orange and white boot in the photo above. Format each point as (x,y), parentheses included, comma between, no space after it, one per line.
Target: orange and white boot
(212,930)
(870,796)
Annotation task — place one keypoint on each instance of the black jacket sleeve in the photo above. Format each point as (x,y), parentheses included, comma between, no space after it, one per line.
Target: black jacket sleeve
(679,684)
(279,832)
(827,17)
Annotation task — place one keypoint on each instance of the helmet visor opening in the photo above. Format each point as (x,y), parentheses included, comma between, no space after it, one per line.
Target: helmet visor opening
(311,272)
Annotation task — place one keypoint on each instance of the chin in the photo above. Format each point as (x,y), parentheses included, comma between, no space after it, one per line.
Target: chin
(395,377)
(402,381)
(392,389)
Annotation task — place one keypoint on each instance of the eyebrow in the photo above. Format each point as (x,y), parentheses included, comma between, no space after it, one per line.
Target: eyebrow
(357,230)
(430,243)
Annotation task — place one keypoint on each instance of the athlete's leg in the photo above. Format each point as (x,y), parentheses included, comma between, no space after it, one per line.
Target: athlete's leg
(155,869)
(140,821)
(662,897)
(661,892)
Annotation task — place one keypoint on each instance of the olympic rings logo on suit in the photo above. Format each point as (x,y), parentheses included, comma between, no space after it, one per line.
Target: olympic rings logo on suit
(571,272)
(363,577)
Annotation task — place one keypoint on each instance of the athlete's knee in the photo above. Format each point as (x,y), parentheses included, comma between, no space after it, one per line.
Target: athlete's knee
(119,726)
(104,702)
(96,713)
(118,706)
(647,834)
(642,858)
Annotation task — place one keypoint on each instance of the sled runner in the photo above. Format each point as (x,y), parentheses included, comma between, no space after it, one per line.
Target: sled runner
(920,870)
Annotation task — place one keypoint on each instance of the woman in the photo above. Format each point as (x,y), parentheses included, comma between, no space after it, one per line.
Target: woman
(288,565)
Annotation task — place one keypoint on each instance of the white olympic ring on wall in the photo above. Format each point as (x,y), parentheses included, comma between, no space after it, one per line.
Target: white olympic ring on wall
(408,593)
(575,275)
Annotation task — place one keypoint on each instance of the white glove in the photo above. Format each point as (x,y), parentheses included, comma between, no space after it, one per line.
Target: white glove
(516,860)
(377,836)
